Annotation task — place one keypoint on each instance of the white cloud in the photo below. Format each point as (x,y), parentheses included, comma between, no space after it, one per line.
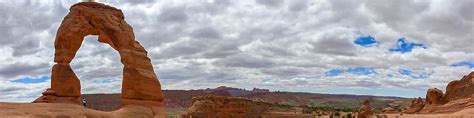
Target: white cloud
(277,44)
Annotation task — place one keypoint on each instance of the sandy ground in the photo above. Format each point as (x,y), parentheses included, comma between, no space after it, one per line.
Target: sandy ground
(467,113)
(59,110)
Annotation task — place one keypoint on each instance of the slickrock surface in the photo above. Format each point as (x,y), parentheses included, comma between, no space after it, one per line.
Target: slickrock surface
(140,85)
(65,110)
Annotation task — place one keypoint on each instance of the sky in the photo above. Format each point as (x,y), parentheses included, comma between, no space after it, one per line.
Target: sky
(369,47)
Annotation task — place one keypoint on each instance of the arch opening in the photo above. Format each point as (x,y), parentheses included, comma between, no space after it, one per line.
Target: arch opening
(98,67)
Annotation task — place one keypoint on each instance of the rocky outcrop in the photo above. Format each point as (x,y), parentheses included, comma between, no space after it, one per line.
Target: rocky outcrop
(226,107)
(140,85)
(434,96)
(389,110)
(459,89)
(417,105)
(458,97)
(365,110)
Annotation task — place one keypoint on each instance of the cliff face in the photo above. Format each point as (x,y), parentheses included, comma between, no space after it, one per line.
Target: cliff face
(460,89)
(459,96)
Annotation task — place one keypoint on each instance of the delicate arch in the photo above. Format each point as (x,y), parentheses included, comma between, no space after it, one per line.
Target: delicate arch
(140,82)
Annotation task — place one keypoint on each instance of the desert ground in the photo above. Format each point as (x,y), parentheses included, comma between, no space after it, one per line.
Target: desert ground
(61,110)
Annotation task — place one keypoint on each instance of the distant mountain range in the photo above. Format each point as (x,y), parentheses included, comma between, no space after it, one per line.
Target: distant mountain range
(181,99)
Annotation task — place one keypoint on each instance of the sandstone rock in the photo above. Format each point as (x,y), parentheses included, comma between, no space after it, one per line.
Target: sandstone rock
(365,110)
(434,96)
(417,105)
(64,81)
(140,83)
(48,96)
(472,98)
(459,89)
(226,107)
(389,110)
(458,96)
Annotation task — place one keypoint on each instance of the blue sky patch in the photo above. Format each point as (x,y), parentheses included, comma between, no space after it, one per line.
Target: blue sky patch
(469,64)
(29,80)
(366,41)
(103,80)
(334,72)
(414,75)
(404,46)
(354,70)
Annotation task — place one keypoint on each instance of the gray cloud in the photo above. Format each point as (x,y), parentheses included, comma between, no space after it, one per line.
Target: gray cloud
(280,44)
(270,3)
(173,14)
(17,69)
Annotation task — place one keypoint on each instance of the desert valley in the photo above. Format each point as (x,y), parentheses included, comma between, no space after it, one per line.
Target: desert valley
(143,93)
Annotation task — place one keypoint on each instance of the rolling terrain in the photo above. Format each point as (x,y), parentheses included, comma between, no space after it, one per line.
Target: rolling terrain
(179,100)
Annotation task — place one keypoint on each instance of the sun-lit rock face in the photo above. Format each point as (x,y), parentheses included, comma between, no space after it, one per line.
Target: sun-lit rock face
(458,96)
(460,89)
(365,110)
(140,84)
(434,96)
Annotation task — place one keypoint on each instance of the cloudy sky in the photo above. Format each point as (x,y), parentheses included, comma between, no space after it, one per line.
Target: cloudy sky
(372,47)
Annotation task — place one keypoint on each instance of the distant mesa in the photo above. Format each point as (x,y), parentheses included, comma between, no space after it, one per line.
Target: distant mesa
(225,107)
(140,84)
(459,96)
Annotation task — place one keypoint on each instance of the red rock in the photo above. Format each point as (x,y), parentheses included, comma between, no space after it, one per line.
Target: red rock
(460,89)
(434,96)
(140,83)
(48,96)
(458,97)
(365,110)
(64,81)
(417,105)
(226,107)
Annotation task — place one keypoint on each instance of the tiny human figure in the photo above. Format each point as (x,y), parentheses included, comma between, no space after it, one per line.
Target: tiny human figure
(84,102)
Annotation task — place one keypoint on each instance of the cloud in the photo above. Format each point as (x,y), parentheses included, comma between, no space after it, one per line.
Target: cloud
(469,64)
(354,71)
(286,45)
(173,14)
(19,68)
(270,3)
(409,73)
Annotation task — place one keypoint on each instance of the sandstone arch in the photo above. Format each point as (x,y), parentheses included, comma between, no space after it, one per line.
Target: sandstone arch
(140,85)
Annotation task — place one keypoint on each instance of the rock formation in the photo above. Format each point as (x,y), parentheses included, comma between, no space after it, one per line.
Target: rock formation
(417,105)
(365,110)
(434,96)
(226,107)
(459,89)
(458,97)
(140,85)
